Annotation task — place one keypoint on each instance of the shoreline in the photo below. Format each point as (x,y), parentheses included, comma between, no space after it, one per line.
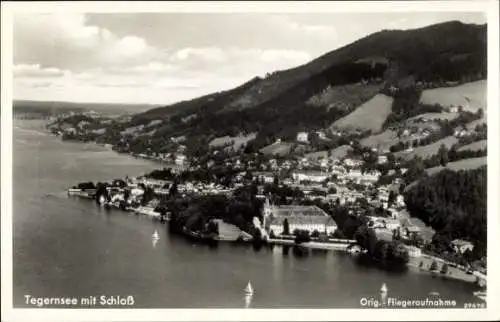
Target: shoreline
(109,147)
(413,263)
(311,244)
(453,272)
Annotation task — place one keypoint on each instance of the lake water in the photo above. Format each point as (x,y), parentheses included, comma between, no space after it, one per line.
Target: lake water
(69,247)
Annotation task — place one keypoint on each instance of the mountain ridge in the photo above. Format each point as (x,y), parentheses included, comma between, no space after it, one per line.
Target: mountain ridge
(371,45)
(313,96)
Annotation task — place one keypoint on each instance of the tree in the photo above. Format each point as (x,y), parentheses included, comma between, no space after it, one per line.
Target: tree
(366,238)
(421,264)
(119,183)
(416,240)
(453,203)
(101,190)
(392,197)
(302,236)
(433,266)
(248,176)
(453,153)
(315,234)
(416,170)
(396,234)
(338,234)
(443,155)
(467,255)
(257,236)
(147,196)
(173,189)
(381,251)
(350,225)
(391,160)
(286,227)
(213,227)
(399,254)
(480,113)
(126,194)
(86,185)
(323,237)
(444,269)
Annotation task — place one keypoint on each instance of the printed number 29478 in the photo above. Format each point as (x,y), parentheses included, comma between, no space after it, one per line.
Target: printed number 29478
(474,305)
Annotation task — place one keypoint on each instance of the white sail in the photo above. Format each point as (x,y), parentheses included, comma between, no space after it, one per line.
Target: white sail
(249,289)
(248,300)
(155,235)
(383,289)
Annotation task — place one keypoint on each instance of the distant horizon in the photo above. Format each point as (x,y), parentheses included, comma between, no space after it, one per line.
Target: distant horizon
(161,59)
(91,103)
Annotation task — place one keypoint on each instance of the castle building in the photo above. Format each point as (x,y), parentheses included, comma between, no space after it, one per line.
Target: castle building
(308,218)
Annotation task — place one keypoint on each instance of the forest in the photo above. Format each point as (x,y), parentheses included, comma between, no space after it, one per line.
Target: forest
(454,205)
(195,213)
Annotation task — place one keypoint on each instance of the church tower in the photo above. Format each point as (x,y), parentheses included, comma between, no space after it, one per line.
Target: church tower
(267,213)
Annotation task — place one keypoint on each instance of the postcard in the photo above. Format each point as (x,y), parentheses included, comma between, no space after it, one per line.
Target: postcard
(220,161)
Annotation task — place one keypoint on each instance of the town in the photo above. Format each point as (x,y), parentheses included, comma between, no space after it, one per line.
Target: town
(390,168)
(318,201)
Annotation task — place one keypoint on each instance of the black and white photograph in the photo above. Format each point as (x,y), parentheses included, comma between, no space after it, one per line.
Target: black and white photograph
(226,156)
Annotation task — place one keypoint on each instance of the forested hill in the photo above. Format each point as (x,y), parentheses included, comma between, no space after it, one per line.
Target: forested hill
(454,204)
(377,79)
(446,51)
(346,77)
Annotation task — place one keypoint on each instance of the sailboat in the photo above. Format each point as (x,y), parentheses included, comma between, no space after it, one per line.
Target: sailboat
(155,235)
(383,289)
(249,289)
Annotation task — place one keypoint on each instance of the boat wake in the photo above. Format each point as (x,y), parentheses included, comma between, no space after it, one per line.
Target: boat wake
(51,196)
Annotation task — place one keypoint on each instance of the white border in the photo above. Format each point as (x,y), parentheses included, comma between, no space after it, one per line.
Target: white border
(10,314)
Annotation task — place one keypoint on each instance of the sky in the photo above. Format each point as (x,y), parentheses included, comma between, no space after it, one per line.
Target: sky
(162,58)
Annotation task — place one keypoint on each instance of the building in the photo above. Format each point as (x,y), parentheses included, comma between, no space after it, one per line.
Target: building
(383,234)
(387,223)
(461,246)
(180,159)
(400,200)
(461,133)
(314,176)
(308,218)
(410,231)
(382,159)
(362,177)
(414,251)
(352,162)
(303,137)
(338,170)
(178,139)
(154,183)
(321,135)
(321,224)
(264,176)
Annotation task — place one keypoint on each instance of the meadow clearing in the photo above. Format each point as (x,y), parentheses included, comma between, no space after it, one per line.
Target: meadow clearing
(471,96)
(368,116)
(429,150)
(238,140)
